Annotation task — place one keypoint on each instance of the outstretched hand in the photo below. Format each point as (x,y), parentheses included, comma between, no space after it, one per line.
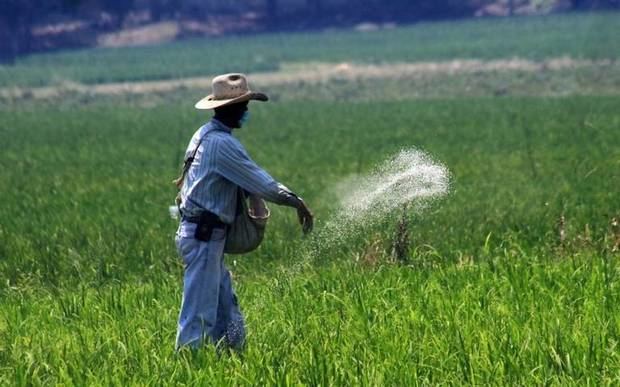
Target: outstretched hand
(306,219)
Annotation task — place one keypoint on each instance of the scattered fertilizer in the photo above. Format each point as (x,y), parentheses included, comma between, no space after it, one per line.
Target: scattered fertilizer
(411,177)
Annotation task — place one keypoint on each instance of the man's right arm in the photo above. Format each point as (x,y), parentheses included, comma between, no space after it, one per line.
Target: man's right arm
(234,164)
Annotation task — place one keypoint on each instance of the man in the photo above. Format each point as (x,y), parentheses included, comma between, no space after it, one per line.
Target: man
(216,165)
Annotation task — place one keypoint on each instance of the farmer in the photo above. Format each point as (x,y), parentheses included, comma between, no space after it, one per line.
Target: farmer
(216,165)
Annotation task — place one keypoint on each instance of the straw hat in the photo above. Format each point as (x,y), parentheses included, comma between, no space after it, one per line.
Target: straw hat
(229,89)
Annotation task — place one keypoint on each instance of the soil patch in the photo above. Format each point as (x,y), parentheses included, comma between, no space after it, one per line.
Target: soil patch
(315,73)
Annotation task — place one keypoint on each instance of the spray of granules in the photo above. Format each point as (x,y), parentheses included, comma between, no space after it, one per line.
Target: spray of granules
(411,178)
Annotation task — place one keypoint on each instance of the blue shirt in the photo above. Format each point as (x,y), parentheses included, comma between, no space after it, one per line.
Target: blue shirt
(220,165)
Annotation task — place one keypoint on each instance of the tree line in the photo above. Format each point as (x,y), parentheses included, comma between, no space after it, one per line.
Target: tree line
(18,18)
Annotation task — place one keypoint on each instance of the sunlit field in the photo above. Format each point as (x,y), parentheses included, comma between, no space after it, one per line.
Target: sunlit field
(591,36)
(512,278)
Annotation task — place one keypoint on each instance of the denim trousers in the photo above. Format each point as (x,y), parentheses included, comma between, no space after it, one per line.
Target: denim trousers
(209,308)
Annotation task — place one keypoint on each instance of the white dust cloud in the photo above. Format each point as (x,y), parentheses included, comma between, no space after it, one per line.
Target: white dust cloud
(411,178)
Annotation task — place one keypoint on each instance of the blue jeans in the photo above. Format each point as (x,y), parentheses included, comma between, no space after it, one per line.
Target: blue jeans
(209,309)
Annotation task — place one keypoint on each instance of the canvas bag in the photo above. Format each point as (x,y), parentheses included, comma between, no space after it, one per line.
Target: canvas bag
(247,230)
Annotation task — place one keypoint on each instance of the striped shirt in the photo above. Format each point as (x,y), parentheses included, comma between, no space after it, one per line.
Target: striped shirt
(220,165)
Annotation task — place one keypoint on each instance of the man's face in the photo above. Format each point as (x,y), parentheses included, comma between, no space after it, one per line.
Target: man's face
(233,113)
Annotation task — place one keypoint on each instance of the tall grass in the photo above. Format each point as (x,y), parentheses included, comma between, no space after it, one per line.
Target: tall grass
(490,295)
(516,319)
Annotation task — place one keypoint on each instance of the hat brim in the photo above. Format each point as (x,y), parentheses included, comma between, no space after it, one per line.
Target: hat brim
(209,102)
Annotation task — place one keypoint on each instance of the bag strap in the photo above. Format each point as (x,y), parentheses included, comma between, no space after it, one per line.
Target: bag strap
(241,201)
(241,194)
(188,162)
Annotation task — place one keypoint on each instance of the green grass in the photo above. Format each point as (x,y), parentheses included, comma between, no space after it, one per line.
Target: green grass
(513,320)
(490,294)
(576,35)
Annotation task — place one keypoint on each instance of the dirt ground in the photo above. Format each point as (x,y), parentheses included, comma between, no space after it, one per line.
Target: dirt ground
(314,73)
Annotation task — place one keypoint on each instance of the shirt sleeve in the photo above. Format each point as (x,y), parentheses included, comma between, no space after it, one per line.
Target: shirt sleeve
(234,164)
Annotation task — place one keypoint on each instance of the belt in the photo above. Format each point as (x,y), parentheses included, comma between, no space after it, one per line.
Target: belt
(191,219)
(206,217)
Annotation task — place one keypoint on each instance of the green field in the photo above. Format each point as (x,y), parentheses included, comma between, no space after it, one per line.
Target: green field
(496,288)
(575,35)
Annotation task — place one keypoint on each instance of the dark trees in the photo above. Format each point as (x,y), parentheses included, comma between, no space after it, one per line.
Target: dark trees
(586,4)
(18,17)
(16,20)
(118,8)
(164,9)
(272,11)
(315,7)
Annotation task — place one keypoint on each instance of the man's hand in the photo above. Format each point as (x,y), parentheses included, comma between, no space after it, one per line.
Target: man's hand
(289,198)
(306,219)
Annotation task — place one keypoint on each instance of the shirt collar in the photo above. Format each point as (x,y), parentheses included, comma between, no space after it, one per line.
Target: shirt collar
(218,125)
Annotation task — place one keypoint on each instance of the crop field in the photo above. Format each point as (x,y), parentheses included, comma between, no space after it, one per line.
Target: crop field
(578,36)
(511,278)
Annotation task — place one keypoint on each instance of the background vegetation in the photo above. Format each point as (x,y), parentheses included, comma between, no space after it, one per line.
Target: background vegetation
(579,36)
(28,26)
